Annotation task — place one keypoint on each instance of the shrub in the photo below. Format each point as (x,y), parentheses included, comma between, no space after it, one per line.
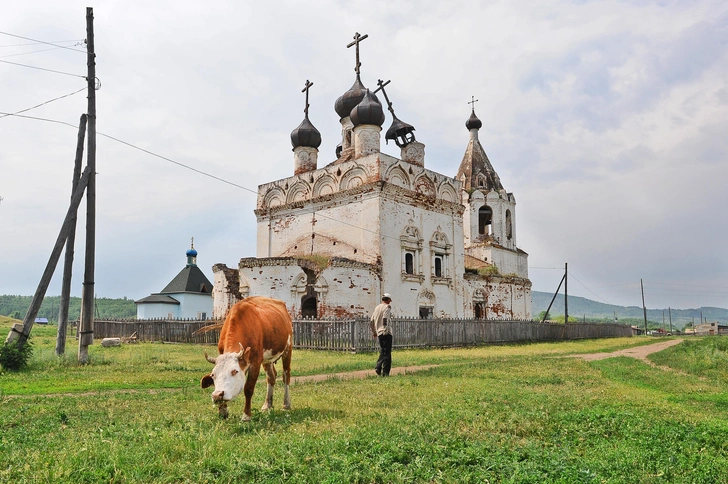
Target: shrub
(488,271)
(14,357)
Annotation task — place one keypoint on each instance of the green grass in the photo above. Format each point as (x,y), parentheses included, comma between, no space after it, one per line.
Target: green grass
(514,413)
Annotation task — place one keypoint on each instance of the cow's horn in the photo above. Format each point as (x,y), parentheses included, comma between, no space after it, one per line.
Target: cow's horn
(242,351)
(211,360)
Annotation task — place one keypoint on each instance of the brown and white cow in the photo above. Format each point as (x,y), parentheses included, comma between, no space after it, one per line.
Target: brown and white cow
(257,331)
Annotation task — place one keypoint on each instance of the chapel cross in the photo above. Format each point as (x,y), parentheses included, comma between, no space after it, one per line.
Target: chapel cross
(381,85)
(192,243)
(357,38)
(472,102)
(305,89)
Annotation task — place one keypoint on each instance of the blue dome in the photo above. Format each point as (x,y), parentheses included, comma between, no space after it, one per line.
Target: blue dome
(192,253)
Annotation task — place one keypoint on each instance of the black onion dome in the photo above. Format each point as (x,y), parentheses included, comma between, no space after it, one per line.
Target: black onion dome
(350,98)
(400,132)
(473,122)
(368,111)
(306,135)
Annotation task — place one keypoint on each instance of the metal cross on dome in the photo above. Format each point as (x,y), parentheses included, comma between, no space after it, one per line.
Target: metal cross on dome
(305,89)
(381,85)
(472,102)
(357,38)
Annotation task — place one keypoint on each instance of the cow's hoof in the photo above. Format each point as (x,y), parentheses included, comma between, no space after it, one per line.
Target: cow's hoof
(246,418)
(266,407)
(222,411)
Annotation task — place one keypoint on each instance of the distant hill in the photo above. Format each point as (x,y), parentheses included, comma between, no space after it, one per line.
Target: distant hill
(580,307)
(17,306)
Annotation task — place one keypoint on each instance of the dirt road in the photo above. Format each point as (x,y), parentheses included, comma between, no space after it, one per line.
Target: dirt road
(639,352)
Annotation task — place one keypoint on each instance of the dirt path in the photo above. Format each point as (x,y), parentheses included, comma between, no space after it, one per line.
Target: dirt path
(639,352)
(361,374)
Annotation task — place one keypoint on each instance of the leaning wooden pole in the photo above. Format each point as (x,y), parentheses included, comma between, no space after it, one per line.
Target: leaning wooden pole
(45,279)
(644,308)
(70,243)
(566,292)
(86,325)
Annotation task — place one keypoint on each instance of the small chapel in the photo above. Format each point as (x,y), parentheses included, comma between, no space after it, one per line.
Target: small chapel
(332,239)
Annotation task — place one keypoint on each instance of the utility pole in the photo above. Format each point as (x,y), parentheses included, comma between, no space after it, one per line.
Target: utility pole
(644,309)
(566,292)
(669,314)
(70,243)
(21,334)
(86,325)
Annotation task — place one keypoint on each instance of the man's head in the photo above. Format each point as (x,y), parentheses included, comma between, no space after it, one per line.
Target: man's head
(386,298)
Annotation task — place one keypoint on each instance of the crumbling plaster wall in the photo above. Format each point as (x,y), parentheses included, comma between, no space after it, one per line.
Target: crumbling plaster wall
(504,297)
(342,289)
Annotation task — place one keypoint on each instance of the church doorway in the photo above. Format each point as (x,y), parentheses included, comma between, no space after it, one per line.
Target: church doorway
(308,307)
(426,312)
(479,310)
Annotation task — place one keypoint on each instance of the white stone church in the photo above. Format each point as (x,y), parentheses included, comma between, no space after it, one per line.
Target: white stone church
(332,239)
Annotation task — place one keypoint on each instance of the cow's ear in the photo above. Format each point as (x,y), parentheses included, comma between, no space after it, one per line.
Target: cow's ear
(206,381)
(244,356)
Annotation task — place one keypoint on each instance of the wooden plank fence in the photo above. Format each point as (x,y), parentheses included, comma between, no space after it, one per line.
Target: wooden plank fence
(354,334)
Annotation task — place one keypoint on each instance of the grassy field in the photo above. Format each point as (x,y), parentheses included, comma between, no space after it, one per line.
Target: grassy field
(515,413)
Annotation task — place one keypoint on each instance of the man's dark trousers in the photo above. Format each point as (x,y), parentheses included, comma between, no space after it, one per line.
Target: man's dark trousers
(384,363)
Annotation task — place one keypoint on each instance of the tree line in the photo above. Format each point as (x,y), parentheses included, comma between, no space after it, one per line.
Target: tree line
(17,306)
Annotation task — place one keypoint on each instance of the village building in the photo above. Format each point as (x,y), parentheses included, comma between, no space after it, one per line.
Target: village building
(332,240)
(187,296)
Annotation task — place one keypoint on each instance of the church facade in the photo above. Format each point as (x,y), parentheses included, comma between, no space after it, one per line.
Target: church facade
(332,240)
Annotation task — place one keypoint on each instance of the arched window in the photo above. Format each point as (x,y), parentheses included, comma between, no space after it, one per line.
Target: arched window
(509,225)
(411,245)
(438,266)
(485,218)
(409,263)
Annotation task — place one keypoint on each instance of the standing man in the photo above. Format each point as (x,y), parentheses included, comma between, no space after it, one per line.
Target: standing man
(379,325)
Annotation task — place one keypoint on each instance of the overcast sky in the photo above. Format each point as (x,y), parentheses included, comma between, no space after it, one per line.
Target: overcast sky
(607,120)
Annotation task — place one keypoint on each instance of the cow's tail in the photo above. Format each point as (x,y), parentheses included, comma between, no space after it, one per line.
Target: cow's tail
(209,327)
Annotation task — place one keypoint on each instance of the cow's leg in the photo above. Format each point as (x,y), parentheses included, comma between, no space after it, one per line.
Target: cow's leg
(287,378)
(249,388)
(270,373)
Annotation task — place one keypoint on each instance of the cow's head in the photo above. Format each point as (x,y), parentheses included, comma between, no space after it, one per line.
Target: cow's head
(228,376)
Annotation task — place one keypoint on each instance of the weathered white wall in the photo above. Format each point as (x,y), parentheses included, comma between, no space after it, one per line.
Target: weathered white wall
(504,297)
(192,303)
(157,310)
(343,289)
(188,307)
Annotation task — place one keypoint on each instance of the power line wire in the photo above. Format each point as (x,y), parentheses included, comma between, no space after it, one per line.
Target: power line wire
(43,42)
(42,69)
(177,163)
(597,295)
(27,53)
(41,104)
